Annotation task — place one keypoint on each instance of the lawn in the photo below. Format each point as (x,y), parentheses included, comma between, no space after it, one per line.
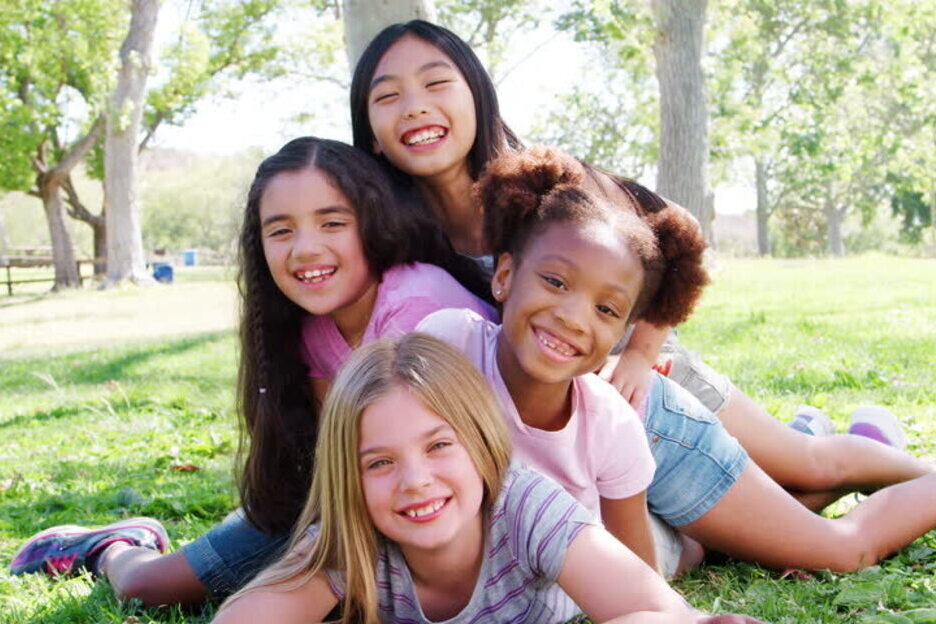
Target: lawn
(120,403)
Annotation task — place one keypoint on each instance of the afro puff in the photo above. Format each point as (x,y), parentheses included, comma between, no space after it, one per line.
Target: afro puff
(520,193)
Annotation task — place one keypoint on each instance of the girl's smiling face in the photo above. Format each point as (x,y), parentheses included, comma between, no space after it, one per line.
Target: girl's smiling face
(566,300)
(312,244)
(421,110)
(420,485)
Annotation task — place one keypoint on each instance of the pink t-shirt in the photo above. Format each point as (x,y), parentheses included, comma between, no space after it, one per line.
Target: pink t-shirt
(602,452)
(405,295)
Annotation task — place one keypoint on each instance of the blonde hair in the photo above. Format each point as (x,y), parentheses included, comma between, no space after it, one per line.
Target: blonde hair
(446,383)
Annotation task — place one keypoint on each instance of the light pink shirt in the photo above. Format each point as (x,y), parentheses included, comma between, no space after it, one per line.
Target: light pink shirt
(602,452)
(405,295)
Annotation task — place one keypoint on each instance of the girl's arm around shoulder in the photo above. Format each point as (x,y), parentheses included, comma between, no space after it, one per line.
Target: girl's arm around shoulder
(629,372)
(307,603)
(611,584)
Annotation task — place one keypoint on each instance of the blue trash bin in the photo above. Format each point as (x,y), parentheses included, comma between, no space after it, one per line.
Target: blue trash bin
(190,257)
(162,272)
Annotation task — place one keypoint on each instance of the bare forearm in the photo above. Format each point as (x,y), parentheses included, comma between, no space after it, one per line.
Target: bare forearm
(647,340)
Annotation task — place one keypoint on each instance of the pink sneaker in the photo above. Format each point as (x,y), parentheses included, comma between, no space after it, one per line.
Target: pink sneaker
(63,550)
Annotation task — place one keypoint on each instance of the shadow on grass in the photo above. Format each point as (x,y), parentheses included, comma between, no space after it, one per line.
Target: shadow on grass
(114,369)
(18,300)
(106,365)
(55,413)
(149,489)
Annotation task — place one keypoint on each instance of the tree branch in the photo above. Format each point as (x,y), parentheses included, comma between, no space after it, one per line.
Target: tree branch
(525,57)
(151,130)
(789,37)
(79,149)
(74,207)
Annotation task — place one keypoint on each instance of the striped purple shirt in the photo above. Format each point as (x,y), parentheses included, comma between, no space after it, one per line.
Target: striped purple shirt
(531,526)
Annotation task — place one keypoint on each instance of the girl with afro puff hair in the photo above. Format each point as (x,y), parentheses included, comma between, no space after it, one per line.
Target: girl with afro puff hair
(572,271)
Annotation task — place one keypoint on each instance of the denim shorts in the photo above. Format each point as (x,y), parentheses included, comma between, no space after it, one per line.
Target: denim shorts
(697,461)
(689,371)
(229,555)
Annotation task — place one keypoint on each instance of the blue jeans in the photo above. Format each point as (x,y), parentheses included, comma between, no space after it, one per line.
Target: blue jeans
(229,555)
(697,460)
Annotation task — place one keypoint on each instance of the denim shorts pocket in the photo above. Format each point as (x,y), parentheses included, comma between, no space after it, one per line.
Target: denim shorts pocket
(677,399)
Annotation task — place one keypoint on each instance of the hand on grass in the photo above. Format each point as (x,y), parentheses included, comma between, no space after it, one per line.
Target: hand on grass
(629,373)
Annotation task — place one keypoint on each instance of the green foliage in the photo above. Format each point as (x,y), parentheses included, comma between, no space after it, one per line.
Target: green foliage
(54,58)
(196,203)
(829,96)
(224,40)
(489,26)
(614,129)
(613,122)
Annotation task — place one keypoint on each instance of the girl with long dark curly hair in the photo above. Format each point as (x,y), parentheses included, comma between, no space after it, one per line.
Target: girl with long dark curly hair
(328,261)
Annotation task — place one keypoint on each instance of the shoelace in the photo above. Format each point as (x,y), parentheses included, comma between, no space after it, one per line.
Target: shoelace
(61,564)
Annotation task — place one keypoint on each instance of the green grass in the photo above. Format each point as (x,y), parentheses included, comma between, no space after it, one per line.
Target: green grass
(104,394)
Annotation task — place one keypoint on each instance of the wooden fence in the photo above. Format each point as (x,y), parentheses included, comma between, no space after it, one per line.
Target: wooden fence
(30,258)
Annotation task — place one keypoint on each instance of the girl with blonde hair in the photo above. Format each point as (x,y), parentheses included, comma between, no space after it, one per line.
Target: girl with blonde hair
(416,514)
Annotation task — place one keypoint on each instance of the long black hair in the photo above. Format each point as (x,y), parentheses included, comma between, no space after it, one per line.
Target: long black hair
(278,415)
(492,136)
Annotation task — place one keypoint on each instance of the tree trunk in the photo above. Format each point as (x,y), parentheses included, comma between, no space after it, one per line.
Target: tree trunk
(3,239)
(763,208)
(707,222)
(834,216)
(99,231)
(125,258)
(97,223)
(50,182)
(365,18)
(683,131)
(834,232)
(63,253)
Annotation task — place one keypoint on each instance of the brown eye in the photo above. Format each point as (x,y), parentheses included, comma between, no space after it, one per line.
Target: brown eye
(608,311)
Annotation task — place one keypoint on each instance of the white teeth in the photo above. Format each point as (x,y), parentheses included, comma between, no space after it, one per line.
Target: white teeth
(315,276)
(425,136)
(559,347)
(425,511)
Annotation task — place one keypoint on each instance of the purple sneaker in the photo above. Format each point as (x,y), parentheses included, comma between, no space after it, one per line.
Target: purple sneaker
(878,423)
(63,550)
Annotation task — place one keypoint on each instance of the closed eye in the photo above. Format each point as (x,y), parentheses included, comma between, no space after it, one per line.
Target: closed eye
(383,97)
(555,282)
(436,83)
